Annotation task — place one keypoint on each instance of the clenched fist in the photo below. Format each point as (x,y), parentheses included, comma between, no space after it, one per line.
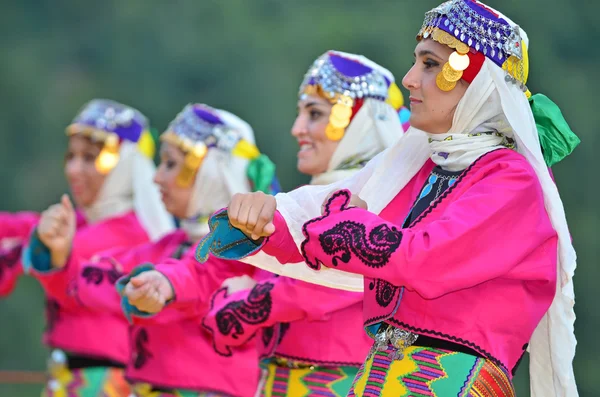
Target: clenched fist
(149,291)
(253,214)
(57,229)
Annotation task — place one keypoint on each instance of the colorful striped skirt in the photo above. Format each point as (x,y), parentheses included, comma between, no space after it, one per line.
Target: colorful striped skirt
(430,372)
(86,382)
(287,381)
(146,390)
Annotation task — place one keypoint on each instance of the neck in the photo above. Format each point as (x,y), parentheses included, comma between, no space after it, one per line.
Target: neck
(104,209)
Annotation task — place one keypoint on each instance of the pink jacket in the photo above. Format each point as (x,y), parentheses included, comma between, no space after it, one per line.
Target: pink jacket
(14,230)
(477,268)
(71,326)
(289,313)
(169,350)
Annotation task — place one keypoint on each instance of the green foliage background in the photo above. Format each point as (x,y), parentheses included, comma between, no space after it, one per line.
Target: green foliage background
(249,57)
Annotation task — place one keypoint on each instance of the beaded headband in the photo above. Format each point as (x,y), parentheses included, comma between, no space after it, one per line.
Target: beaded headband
(475,32)
(346,80)
(110,122)
(198,128)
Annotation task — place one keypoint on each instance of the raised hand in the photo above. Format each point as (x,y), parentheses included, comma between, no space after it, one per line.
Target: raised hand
(57,229)
(253,214)
(149,291)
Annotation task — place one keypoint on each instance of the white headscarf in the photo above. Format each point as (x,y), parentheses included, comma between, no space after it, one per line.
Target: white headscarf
(129,186)
(553,343)
(375,127)
(220,176)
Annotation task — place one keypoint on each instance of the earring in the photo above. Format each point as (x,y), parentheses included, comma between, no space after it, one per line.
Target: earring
(339,118)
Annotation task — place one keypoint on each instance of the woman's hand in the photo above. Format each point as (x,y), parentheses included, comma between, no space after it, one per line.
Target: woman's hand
(253,214)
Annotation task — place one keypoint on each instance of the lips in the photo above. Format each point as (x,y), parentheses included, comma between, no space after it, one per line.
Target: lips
(77,189)
(305,147)
(414,101)
(163,195)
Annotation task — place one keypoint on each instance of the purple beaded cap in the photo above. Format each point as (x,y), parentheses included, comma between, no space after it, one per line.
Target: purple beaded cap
(337,74)
(113,117)
(477,26)
(200,123)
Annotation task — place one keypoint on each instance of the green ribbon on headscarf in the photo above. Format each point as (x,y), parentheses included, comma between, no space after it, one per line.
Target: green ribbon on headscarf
(261,172)
(556,137)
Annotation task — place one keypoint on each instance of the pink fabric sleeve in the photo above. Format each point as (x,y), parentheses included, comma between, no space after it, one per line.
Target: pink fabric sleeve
(15,228)
(10,268)
(17,224)
(483,234)
(193,284)
(113,238)
(234,319)
(95,280)
(281,244)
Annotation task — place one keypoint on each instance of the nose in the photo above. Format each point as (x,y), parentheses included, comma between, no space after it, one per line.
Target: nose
(159,175)
(300,126)
(411,80)
(73,168)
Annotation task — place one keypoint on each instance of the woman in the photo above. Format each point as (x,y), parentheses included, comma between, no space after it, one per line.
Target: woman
(207,155)
(457,280)
(109,169)
(344,119)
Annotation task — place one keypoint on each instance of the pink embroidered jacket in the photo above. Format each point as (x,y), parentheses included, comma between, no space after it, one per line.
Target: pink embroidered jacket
(76,328)
(14,231)
(477,267)
(297,321)
(171,349)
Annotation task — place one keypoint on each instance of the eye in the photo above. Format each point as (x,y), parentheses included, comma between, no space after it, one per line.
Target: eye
(430,63)
(69,156)
(315,114)
(170,164)
(89,157)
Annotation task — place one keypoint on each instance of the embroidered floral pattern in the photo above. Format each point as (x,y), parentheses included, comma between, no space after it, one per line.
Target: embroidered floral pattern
(384,291)
(52,314)
(140,349)
(96,275)
(267,335)
(351,237)
(9,258)
(254,310)
(269,332)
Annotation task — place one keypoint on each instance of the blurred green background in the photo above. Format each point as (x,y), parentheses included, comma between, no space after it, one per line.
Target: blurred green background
(249,56)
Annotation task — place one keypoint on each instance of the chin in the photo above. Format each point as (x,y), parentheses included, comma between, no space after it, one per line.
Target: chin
(82,202)
(416,122)
(307,169)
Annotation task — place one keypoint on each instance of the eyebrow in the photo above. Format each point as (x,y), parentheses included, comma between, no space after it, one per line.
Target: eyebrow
(310,104)
(423,53)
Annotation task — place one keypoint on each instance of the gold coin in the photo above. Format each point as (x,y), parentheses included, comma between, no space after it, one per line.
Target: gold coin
(333,133)
(462,48)
(345,101)
(341,111)
(451,74)
(459,62)
(338,122)
(444,84)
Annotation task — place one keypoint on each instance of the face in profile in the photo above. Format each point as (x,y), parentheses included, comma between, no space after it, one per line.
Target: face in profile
(175,198)
(431,108)
(315,149)
(85,181)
